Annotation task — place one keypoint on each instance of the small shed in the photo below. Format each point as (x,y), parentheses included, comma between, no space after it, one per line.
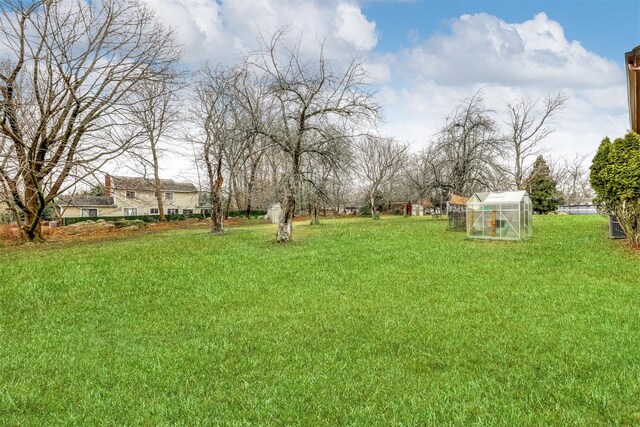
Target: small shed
(405,208)
(456,212)
(274,212)
(500,216)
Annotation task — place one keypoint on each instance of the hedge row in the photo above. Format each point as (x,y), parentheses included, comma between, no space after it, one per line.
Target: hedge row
(145,218)
(254,214)
(155,218)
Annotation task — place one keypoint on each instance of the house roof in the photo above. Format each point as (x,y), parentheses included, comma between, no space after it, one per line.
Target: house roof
(481,196)
(85,200)
(454,199)
(427,204)
(502,197)
(146,184)
(632,65)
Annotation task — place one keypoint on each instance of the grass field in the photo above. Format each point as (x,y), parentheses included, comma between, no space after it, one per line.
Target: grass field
(357,322)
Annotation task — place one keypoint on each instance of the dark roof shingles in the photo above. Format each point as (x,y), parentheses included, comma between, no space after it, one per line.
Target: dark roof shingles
(86,201)
(144,184)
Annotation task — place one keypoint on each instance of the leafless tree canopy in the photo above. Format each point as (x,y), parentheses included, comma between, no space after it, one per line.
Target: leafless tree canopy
(66,87)
(528,124)
(464,154)
(156,114)
(378,161)
(314,104)
(216,117)
(572,176)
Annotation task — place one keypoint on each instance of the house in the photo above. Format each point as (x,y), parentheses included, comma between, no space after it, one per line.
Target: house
(404,208)
(582,208)
(632,62)
(430,208)
(133,196)
(352,210)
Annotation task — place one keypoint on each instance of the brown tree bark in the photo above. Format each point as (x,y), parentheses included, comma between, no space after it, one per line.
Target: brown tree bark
(217,219)
(156,178)
(285,230)
(374,210)
(31,227)
(284,233)
(315,207)
(250,185)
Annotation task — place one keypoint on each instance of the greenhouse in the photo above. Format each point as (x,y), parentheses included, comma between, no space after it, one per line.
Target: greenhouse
(499,216)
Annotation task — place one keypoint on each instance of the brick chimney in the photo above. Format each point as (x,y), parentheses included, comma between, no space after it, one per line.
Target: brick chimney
(107,185)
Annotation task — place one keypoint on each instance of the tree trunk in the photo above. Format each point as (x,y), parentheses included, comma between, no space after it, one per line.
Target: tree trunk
(241,199)
(519,173)
(161,216)
(217,219)
(227,204)
(285,231)
(31,229)
(250,185)
(374,211)
(156,179)
(315,220)
(217,224)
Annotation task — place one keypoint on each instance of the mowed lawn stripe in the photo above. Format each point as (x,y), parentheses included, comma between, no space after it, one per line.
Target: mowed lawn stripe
(396,321)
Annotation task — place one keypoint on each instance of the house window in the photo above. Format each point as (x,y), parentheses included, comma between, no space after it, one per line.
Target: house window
(154,211)
(130,211)
(131,194)
(171,211)
(187,211)
(89,213)
(168,196)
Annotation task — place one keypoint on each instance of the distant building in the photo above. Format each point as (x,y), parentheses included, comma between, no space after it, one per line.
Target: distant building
(133,196)
(578,209)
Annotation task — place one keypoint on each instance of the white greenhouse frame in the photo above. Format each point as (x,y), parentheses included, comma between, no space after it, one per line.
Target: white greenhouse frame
(500,216)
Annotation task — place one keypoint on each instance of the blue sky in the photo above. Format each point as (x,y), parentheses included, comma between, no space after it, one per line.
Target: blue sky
(608,28)
(428,56)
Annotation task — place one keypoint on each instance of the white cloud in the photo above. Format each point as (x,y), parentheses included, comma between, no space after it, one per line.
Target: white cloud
(423,83)
(506,59)
(483,48)
(224,31)
(354,27)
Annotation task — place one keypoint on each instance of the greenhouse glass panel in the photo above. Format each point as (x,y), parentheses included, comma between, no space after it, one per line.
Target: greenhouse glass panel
(499,216)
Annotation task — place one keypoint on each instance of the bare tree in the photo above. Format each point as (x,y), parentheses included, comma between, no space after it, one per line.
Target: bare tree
(216,127)
(156,113)
(377,161)
(313,102)
(528,124)
(467,148)
(428,176)
(572,175)
(256,148)
(319,172)
(65,87)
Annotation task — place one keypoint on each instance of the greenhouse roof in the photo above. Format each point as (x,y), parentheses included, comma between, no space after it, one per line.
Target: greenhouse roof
(504,197)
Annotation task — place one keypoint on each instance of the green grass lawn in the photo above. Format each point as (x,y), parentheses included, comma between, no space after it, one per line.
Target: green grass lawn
(357,322)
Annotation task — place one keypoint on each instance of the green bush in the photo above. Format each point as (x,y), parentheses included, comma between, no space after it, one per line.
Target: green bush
(144,218)
(615,177)
(542,188)
(254,214)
